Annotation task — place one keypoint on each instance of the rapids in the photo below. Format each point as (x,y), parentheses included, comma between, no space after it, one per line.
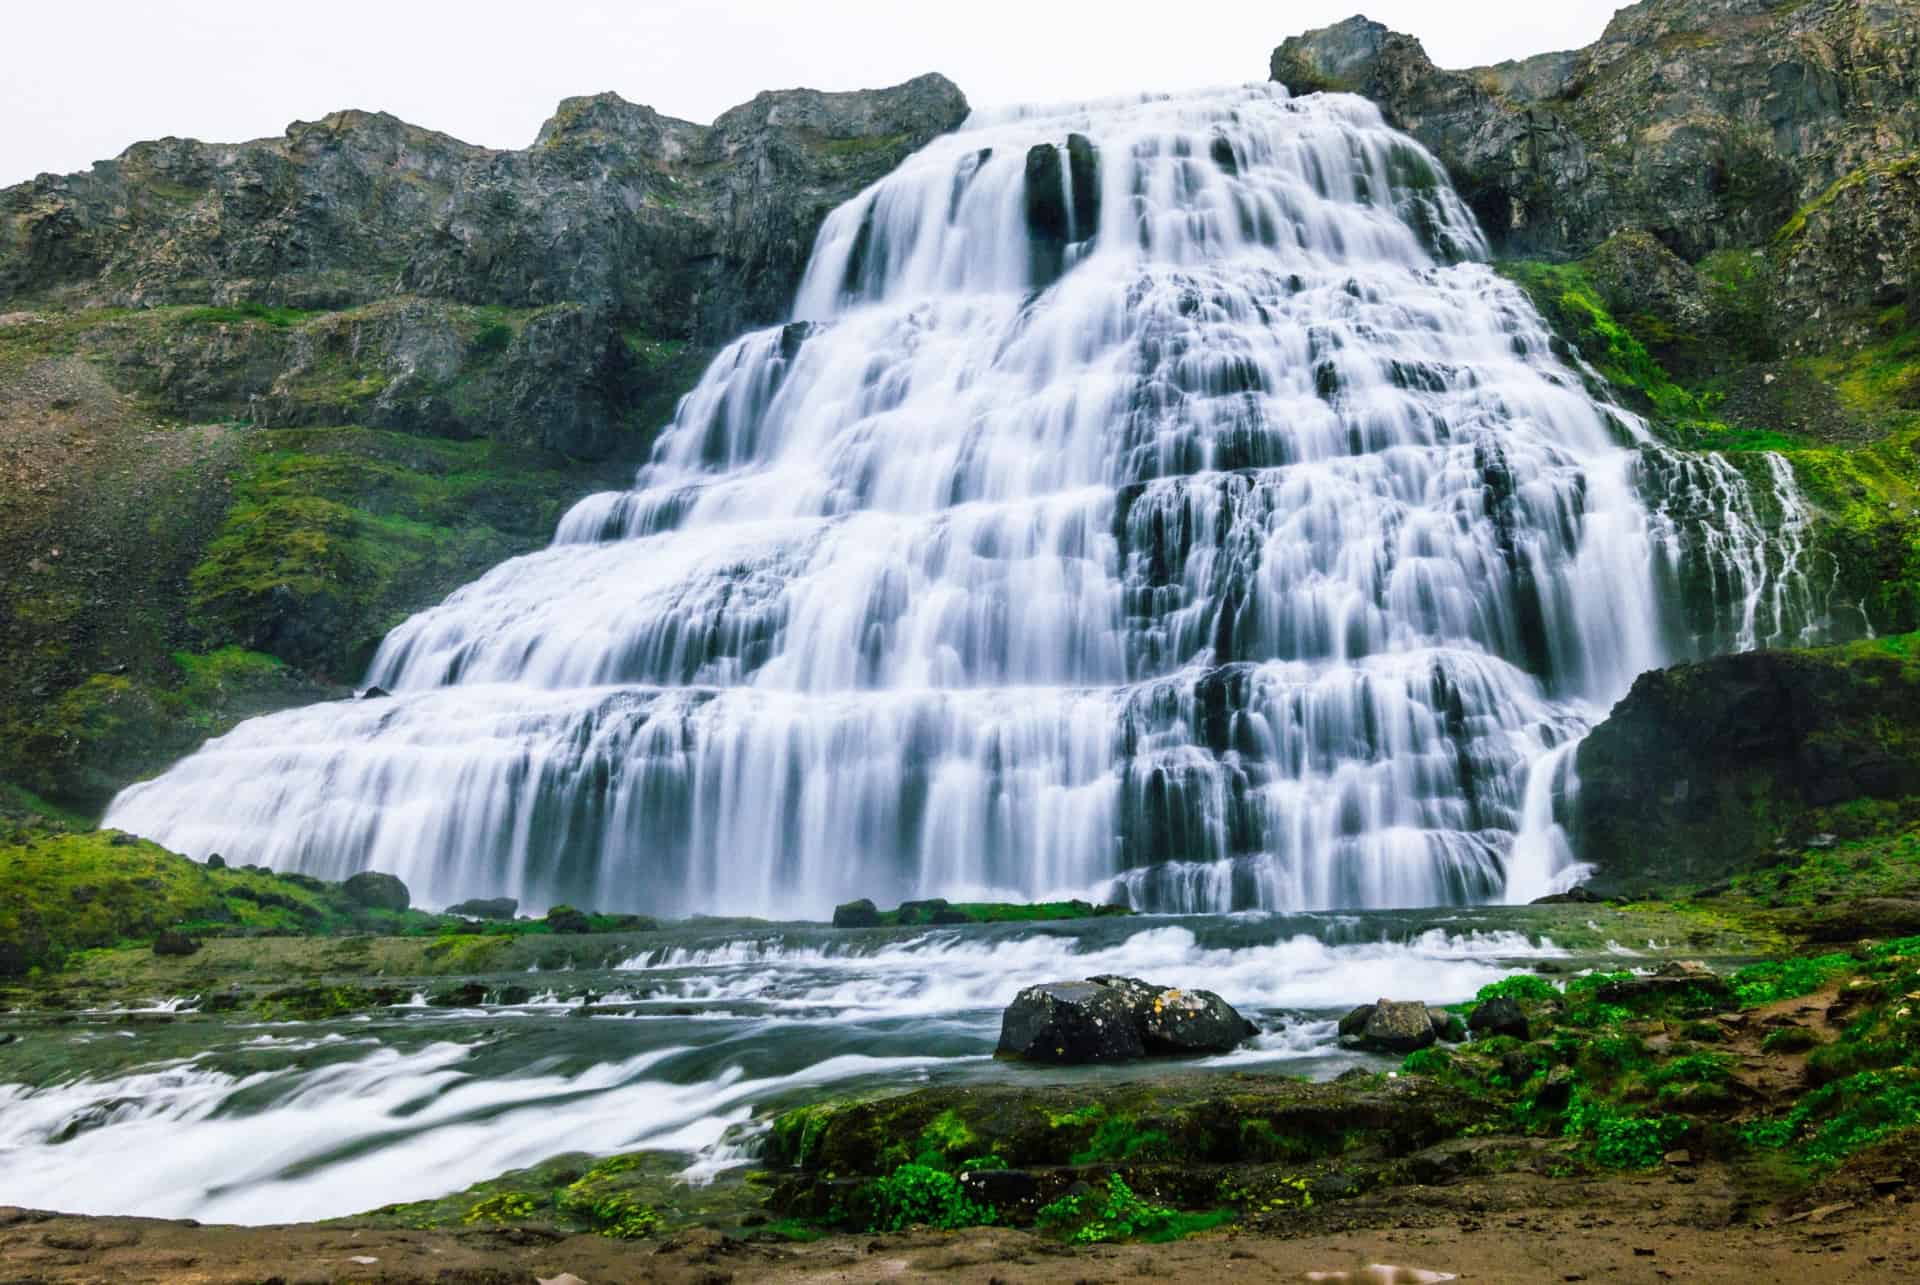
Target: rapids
(1156,499)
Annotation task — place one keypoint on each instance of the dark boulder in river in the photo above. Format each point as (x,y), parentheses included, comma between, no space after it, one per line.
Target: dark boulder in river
(376,891)
(1070,1022)
(857,914)
(1107,1019)
(1389,1026)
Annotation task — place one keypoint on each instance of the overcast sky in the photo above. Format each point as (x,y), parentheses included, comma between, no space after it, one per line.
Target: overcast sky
(88,77)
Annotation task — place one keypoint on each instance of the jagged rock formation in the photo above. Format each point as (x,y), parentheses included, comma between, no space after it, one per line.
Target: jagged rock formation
(1707,123)
(617,232)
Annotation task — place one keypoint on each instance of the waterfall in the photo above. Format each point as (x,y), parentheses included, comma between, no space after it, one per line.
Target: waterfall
(1155,498)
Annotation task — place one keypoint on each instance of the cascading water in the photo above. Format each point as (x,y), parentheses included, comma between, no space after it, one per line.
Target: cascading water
(1154,499)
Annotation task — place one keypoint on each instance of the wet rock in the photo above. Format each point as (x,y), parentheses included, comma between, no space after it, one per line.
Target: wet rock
(487,908)
(566,919)
(856,914)
(1447,1026)
(1070,1023)
(377,891)
(921,912)
(1001,1188)
(14,960)
(375,693)
(1865,918)
(464,995)
(174,944)
(1580,896)
(1388,1026)
(1174,1021)
(1501,1016)
(1557,1092)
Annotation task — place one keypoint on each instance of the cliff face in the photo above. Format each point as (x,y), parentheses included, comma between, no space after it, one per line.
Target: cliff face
(618,238)
(260,401)
(1706,771)
(1711,124)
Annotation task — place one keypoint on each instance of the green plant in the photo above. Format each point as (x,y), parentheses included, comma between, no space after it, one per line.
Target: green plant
(1775,980)
(1088,1218)
(1521,986)
(919,1194)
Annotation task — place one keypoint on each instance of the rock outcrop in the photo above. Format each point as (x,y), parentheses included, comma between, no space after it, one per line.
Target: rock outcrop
(1708,770)
(1711,124)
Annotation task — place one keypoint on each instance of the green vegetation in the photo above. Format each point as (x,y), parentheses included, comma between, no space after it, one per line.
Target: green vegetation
(919,1195)
(334,536)
(1089,1218)
(622,1197)
(70,892)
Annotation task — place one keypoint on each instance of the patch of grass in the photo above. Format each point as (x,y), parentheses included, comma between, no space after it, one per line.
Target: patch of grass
(1775,980)
(1522,987)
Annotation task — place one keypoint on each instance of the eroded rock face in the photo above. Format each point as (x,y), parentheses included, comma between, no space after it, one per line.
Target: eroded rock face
(1703,768)
(618,231)
(1707,123)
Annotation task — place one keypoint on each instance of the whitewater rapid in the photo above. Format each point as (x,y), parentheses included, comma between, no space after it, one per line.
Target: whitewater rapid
(1156,499)
(688,1049)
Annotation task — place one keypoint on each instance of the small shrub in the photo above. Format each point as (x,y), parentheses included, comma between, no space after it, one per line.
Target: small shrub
(1522,987)
(1778,979)
(1121,1215)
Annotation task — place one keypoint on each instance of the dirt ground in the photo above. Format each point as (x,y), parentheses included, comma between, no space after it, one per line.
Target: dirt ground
(1670,1225)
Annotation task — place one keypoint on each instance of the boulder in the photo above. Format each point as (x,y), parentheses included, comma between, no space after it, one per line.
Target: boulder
(565,919)
(1174,1021)
(487,908)
(856,914)
(377,891)
(1070,1023)
(174,943)
(1501,1016)
(1389,1026)
(1677,979)
(216,862)
(460,995)
(1447,1026)
(921,912)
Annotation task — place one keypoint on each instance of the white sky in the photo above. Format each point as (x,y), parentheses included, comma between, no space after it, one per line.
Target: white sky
(85,78)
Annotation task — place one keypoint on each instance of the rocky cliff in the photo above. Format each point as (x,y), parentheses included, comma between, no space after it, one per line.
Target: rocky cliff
(259,401)
(1710,124)
(1707,771)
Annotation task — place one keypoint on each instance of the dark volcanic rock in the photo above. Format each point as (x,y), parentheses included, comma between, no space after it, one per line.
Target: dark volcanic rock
(487,908)
(1501,1016)
(1070,1022)
(1173,1021)
(856,914)
(377,891)
(174,943)
(1702,768)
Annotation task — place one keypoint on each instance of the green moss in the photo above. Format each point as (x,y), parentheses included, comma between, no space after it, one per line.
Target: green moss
(1524,987)
(1793,227)
(1775,980)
